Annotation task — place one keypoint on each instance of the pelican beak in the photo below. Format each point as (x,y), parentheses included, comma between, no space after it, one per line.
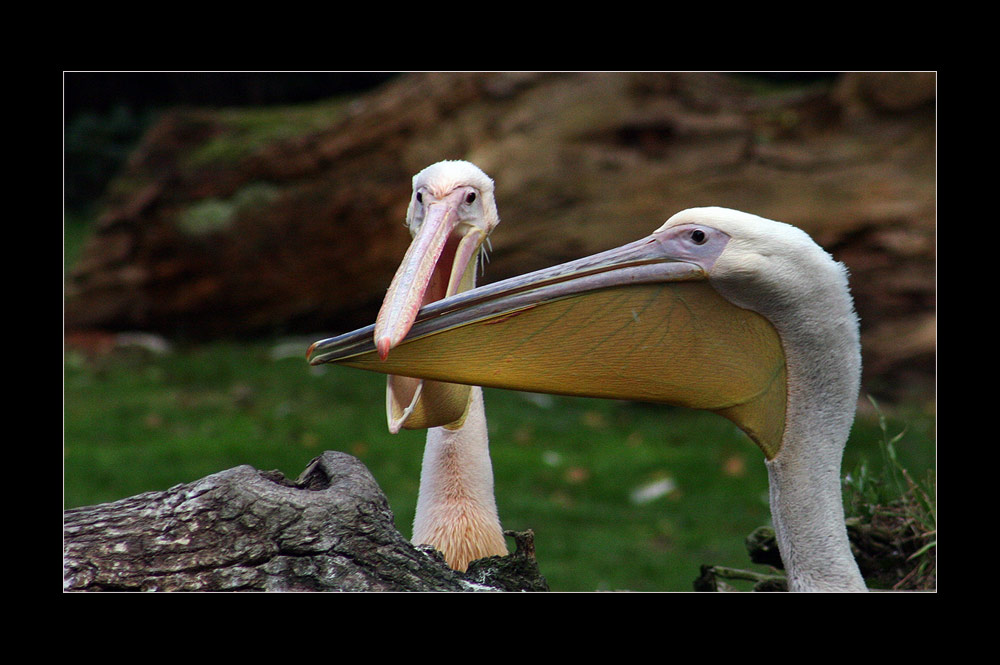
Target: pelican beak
(632,323)
(440,262)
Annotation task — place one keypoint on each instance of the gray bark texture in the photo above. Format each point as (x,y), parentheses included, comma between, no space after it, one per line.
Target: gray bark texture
(249,530)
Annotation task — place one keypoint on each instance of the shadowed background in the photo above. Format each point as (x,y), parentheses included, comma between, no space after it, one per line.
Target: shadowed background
(234,218)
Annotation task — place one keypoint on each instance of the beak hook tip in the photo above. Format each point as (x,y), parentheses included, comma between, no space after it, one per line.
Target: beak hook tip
(383,344)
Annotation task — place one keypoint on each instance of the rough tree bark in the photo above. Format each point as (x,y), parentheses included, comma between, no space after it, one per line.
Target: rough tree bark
(249,530)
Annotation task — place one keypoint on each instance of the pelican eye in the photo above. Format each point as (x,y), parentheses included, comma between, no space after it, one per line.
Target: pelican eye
(698,237)
(470,197)
(420,197)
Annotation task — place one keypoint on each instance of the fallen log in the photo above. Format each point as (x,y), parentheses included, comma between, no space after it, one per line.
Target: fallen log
(248,530)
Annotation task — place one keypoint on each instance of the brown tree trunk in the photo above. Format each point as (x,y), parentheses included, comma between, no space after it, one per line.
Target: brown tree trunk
(251,222)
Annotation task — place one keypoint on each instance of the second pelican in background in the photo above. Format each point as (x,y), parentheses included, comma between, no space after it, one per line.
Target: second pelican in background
(451,214)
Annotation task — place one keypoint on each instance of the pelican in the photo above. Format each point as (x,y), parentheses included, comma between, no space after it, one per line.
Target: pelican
(451,214)
(718,310)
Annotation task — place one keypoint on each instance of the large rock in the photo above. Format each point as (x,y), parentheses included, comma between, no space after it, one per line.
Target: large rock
(261,221)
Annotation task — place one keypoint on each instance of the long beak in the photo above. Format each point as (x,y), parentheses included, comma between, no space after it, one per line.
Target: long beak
(440,262)
(417,280)
(631,323)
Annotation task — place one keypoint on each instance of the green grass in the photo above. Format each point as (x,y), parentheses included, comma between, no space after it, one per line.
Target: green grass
(564,467)
(893,511)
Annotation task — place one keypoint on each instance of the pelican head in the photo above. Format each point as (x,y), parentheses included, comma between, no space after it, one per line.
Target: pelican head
(451,214)
(718,310)
(643,321)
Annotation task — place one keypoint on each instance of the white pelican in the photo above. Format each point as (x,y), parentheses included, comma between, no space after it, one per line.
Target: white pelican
(452,212)
(718,310)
